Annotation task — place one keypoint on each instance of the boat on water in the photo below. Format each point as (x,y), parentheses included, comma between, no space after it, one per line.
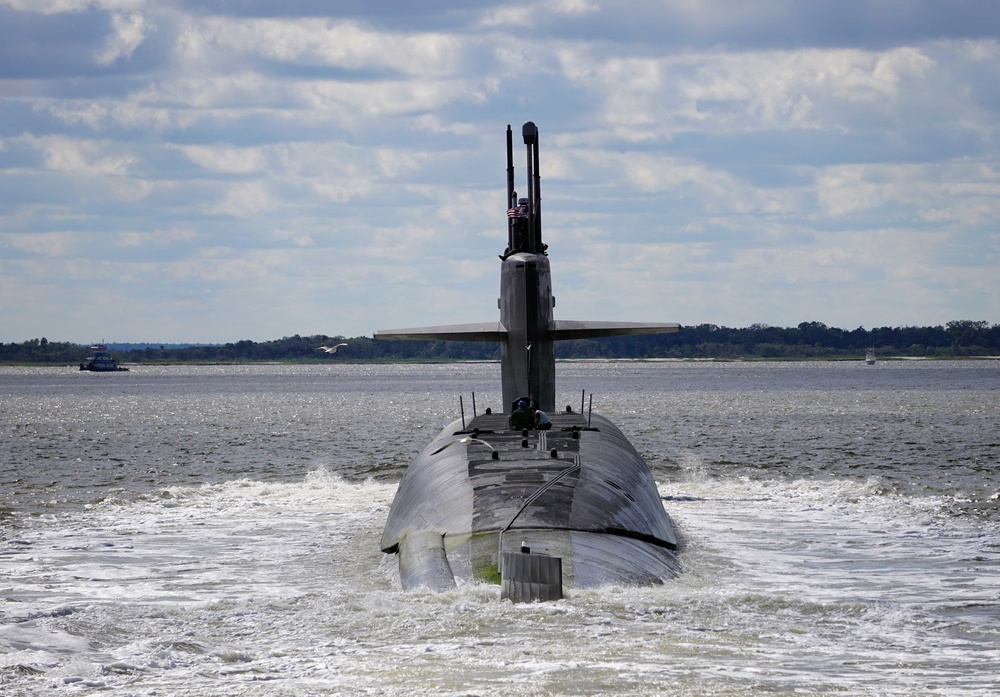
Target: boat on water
(100,361)
(870,355)
(560,499)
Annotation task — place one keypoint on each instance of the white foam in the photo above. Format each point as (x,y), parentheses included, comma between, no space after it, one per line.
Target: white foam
(280,586)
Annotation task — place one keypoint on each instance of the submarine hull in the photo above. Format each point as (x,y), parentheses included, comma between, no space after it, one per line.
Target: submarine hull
(579,492)
(481,492)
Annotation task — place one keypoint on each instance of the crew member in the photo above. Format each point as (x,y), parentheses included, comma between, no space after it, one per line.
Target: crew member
(520,216)
(542,422)
(522,417)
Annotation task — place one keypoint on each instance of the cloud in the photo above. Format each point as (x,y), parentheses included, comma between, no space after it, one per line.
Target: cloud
(530,15)
(129,32)
(341,169)
(321,42)
(51,7)
(226,158)
(654,98)
(46,244)
(87,157)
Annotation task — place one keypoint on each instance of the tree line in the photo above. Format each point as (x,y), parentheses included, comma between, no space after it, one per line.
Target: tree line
(959,338)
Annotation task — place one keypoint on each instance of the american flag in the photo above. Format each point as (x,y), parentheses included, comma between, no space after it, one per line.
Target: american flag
(517,213)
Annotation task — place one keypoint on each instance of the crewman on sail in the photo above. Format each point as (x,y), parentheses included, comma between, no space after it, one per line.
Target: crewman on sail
(520,216)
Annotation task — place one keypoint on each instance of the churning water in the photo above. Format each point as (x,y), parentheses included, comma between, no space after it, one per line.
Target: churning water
(214,531)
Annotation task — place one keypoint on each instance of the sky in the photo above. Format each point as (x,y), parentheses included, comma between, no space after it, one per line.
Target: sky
(213,171)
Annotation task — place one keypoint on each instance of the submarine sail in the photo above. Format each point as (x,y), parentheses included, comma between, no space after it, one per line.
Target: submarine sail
(573,489)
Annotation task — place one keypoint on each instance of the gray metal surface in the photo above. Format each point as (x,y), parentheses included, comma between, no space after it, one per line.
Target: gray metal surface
(526,577)
(602,515)
(579,492)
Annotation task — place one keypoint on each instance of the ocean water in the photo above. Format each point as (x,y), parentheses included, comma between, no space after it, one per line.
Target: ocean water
(214,531)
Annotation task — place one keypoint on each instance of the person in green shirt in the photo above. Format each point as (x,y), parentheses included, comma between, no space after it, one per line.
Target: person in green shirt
(522,417)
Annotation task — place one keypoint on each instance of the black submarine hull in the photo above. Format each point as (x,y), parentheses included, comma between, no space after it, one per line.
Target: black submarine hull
(579,492)
(577,497)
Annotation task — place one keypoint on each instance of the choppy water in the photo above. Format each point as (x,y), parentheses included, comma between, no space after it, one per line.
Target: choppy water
(214,531)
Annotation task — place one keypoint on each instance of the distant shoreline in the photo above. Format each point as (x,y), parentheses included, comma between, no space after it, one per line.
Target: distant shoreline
(809,341)
(445,361)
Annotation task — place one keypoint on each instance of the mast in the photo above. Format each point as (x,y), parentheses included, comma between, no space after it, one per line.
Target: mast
(511,194)
(527,330)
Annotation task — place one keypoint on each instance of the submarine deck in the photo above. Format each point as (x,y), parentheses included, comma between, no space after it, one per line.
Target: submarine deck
(495,429)
(526,461)
(582,474)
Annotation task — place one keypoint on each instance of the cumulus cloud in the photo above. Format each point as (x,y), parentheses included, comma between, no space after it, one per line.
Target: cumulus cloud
(655,97)
(128,32)
(50,7)
(226,158)
(83,157)
(322,42)
(46,244)
(774,162)
(526,15)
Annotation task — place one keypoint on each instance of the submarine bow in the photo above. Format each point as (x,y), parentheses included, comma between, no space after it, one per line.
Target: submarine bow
(578,492)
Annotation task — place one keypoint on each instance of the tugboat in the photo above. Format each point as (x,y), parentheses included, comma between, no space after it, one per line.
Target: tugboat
(100,361)
(560,496)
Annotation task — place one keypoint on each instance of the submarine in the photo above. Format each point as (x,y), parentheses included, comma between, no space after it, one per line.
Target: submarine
(569,503)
